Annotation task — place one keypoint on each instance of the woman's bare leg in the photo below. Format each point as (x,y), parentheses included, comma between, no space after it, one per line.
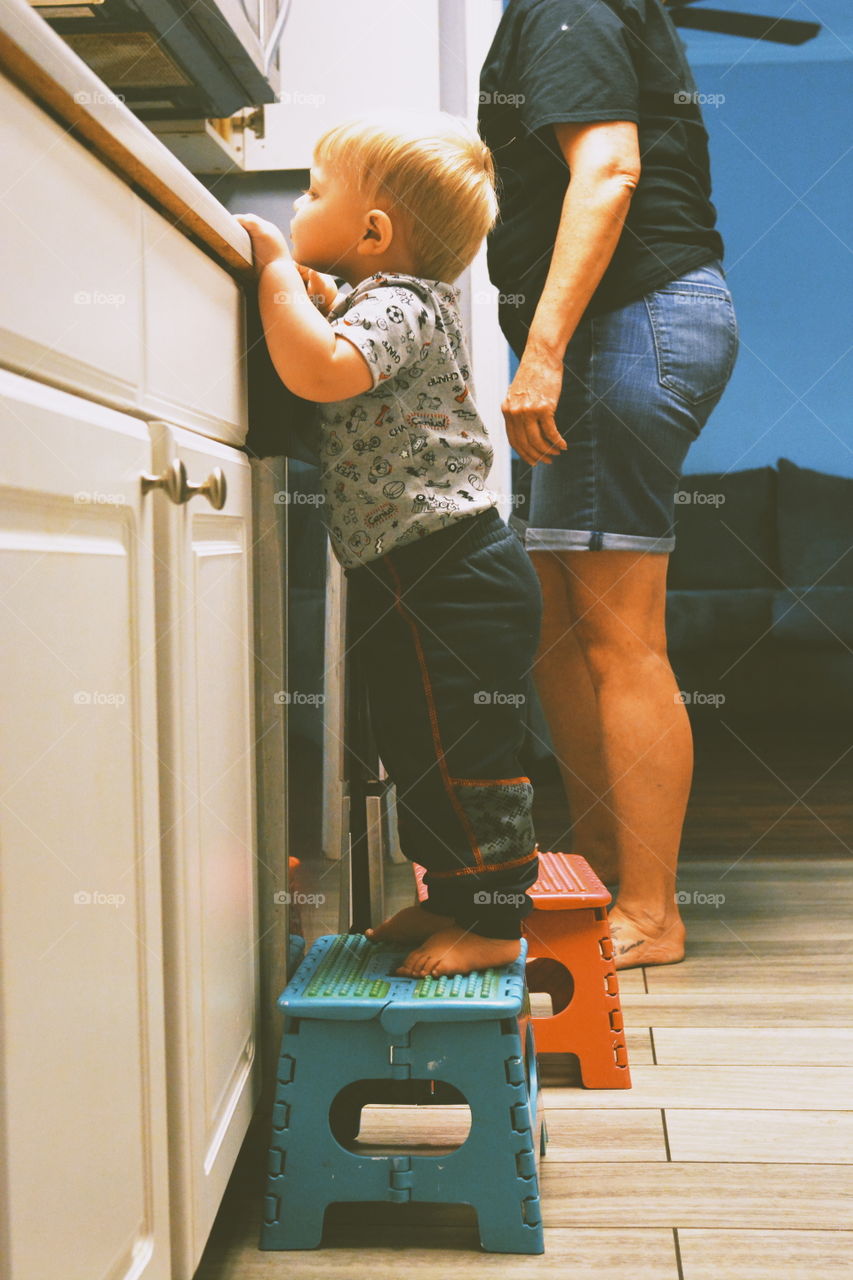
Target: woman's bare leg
(568,698)
(615,603)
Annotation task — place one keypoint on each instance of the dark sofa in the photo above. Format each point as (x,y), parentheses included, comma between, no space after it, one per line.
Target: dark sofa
(760,594)
(759,604)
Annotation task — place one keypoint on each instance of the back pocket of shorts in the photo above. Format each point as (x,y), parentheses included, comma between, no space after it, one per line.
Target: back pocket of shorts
(696,338)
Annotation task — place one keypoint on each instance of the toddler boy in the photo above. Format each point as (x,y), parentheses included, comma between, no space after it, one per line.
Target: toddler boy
(445,600)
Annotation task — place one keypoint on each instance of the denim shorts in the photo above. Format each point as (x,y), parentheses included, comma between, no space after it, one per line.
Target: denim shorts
(640,383)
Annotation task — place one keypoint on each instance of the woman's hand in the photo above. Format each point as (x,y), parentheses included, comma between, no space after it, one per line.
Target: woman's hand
(268,244)
(530,405)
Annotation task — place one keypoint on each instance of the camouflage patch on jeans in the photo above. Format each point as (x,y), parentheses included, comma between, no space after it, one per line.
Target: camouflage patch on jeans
(500,815)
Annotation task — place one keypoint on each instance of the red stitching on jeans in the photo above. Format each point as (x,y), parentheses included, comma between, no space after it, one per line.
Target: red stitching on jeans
(486,782)
(487,866)
(436,736)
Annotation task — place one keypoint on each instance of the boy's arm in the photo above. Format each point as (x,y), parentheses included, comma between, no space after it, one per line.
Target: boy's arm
(310,358)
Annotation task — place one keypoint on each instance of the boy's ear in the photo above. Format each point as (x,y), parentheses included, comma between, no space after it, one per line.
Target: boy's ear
(378,233)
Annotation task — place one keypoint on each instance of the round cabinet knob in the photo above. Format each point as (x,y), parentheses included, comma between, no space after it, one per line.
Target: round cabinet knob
(174,483)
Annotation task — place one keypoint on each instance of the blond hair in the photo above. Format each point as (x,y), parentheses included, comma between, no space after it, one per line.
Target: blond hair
(434,171)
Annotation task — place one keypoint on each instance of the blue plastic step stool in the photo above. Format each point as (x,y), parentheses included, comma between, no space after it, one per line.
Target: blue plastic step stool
(348,1018)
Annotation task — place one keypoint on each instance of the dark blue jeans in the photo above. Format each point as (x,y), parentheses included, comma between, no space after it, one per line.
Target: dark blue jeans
(446,631)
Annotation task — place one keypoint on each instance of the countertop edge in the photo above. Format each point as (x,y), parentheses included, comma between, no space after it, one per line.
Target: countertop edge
(39,61)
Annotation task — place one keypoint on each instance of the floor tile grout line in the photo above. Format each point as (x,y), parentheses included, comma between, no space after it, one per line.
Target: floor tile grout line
(677,1244)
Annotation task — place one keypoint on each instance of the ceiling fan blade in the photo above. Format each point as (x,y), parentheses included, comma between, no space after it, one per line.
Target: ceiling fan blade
(751,25)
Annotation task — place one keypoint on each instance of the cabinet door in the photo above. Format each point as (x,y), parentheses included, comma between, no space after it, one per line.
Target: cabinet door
(195,343)
(83,1106)
(207,778)
(71,308)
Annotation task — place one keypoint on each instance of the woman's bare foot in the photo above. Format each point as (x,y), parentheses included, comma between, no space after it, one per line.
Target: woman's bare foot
(636,943)
(412,924)
(457,950)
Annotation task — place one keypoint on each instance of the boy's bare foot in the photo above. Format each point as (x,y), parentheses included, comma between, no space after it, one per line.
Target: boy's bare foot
(457,950)
(640,944)
(412,924)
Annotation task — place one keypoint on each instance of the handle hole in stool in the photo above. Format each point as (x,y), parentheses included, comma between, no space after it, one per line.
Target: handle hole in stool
(426,1225)
(397,1123)
(551,977)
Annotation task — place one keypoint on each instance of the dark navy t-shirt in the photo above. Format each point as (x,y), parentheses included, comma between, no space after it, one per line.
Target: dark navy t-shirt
(590,60)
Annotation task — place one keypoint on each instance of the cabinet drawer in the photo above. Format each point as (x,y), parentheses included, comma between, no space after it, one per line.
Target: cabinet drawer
(71,302)
(194,336)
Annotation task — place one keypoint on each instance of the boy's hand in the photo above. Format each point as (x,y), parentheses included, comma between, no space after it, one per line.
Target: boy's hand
(321,288)
(268,244)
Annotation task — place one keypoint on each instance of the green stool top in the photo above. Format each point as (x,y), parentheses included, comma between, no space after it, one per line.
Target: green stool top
(346,976)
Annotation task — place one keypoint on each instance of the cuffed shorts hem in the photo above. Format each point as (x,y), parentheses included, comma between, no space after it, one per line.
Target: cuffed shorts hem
(593,540)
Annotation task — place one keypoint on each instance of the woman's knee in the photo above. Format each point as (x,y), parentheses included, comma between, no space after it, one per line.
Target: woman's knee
(616,643)
(631,663)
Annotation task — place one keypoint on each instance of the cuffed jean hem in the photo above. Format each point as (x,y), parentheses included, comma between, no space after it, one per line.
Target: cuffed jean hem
(586,540)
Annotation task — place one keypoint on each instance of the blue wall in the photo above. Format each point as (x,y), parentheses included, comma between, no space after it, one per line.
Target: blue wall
(782,187)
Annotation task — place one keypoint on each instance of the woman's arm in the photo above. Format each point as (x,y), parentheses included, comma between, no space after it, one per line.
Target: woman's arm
(604,164)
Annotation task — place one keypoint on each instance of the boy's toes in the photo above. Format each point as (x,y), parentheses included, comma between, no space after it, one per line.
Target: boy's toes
(406,967)
(416,964)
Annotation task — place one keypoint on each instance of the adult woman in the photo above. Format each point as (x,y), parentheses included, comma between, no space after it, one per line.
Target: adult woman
(614,299)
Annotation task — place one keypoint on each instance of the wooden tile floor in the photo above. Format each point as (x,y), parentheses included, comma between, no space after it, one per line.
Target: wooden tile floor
(729,1159)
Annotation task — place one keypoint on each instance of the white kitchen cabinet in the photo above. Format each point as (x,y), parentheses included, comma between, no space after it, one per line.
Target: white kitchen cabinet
(71,302)
(128,838)
(207,803)
(194,336)
(83,1105)
(130,1040)
(102,295)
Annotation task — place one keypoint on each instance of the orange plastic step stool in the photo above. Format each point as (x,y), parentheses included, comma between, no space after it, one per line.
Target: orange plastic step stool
(570,955)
